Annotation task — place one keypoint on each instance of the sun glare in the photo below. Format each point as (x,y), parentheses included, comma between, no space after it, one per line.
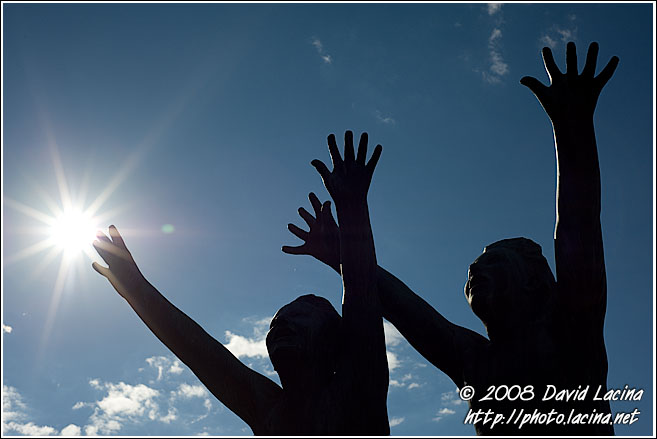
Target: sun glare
(73,231)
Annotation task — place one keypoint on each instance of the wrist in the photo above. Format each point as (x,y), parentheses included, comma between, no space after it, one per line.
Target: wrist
(572,125)
(138,289)
(351,203)
(350,215)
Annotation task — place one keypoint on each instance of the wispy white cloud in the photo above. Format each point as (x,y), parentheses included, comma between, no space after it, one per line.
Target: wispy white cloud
(242,346)
(164,366)
(191,391)
(396,421)
(564,32)
(385,119)
(172,415)
(393,361)
(133,404)
(498,68)
(252,347)
(122,403)
(14,416)
(495,36)
(13,406)
(443,413)
(392,335)
(548,41)
(404,381)
(186,391)
(71,430)
(493,8)
(395,383)
(450,402)
(7,328)
(328,59)
(29,429)
(451,398)
(168,398)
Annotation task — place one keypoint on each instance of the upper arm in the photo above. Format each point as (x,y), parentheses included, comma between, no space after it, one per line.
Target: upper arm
(362,374)
(247,393)
(580,266)
(442,343)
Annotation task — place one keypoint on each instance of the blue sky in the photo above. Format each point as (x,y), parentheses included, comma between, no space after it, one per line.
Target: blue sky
(205,117)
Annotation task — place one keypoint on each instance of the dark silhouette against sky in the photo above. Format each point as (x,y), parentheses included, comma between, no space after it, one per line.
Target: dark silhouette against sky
(333,369)
(540,331)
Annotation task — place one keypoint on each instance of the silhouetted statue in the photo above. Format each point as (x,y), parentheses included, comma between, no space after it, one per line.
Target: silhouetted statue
(541,332)
(333,369)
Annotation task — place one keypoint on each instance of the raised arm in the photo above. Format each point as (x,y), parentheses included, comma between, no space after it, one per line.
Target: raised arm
(570,102)
(363,369)
(438,340)
(244,391)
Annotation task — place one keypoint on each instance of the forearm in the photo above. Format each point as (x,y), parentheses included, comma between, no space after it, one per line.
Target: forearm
(357,254)
(182,335)
(578,173)
(432,335)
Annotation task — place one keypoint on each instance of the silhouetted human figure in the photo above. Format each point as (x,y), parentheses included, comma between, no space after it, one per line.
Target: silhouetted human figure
(333,369)
(541,332)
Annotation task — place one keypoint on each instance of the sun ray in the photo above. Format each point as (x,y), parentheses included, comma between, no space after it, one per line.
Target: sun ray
(47,259)
(30,230)
(62,184)
(72,202)
(84,186)
(30,251)
(62,276)
(29,211)
(50,202)
(90,254)
(107,215)
(118,178)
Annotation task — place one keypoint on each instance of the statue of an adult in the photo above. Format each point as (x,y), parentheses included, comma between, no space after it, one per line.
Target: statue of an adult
(540,332)
(333,369)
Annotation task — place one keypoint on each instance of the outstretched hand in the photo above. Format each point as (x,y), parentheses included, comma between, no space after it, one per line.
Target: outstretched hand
(123,273)
(350,179)
(571,96)
(322,241)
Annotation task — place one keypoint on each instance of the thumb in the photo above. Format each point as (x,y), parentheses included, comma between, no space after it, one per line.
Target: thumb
(100,269)
(534,85)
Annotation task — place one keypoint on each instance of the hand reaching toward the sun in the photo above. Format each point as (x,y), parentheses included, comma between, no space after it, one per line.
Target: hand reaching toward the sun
(571,97)
(322,241)
(123,273)
(349,181)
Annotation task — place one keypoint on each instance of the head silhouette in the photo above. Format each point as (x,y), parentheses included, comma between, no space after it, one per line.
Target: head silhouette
(303,336)
(510,285)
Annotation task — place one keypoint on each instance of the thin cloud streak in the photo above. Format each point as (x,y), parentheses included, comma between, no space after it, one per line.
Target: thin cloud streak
(498,67)
(493,8)
(328,59)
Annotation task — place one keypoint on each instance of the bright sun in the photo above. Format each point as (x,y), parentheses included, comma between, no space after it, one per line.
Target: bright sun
(73,231)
